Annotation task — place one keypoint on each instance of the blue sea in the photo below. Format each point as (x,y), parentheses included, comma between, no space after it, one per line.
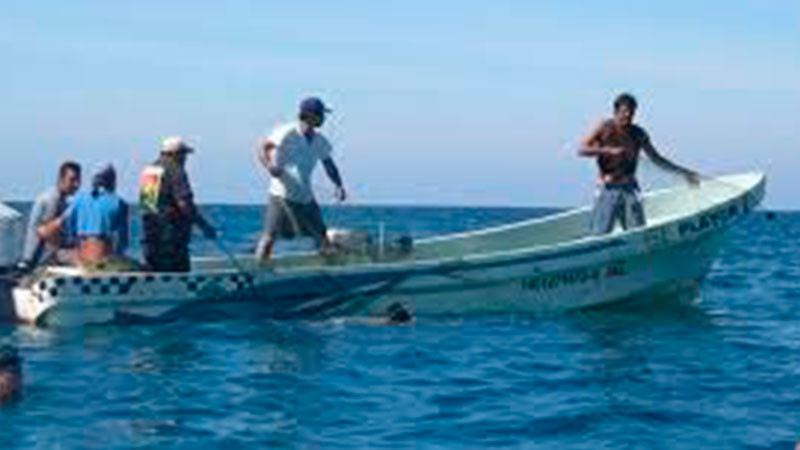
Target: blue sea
(718,370)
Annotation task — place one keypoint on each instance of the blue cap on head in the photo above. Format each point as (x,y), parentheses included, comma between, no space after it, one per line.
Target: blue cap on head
(313,105)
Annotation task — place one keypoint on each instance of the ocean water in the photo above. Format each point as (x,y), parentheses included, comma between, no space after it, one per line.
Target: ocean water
(718,369)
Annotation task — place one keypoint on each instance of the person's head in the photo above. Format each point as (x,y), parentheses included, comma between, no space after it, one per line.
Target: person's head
(105,178)
(624,109)
(312,112)
(9,359)
(10,373)
(174,147)
(69,178)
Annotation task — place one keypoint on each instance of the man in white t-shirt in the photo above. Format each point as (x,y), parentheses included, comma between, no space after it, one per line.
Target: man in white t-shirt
(290,155)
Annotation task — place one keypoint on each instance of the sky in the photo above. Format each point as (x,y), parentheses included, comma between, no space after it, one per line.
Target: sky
(435,103)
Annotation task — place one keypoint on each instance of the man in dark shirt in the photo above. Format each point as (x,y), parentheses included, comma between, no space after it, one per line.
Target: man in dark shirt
(616,144)
(168,210)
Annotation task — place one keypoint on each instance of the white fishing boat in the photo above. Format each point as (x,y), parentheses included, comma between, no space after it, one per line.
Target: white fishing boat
(545,264)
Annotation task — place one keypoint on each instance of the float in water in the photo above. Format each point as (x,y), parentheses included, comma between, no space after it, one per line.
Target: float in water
(539,265)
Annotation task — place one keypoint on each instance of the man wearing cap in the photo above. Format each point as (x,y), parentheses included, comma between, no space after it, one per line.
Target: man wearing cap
(168,209)
(290,155)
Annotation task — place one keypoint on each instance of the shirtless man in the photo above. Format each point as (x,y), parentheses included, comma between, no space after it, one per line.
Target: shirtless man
(616,144)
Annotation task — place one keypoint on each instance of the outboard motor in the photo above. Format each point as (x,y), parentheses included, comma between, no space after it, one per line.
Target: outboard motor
(12,234)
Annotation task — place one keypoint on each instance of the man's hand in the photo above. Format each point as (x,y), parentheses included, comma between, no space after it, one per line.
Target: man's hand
(49,231)
(341,194)
(209,232)
(613,151)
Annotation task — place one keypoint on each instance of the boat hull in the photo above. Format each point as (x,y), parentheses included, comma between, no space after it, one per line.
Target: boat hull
(532,289)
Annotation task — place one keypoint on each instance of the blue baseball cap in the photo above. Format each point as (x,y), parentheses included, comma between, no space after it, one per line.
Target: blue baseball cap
(313,105)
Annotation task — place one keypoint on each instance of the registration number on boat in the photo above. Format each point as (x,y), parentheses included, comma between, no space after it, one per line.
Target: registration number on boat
(574,277)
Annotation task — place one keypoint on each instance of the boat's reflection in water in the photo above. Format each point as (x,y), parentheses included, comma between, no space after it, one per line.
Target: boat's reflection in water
(221,369)
(639,343)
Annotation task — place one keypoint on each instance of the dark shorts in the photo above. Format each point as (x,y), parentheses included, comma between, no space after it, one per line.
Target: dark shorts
(617,202)
(288,219)
(166,244)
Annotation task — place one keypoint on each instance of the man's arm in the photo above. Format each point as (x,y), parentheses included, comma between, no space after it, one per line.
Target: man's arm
(691,176)
(333,174)
(184,199)
(266,153)
(590,146)
(208,230)
(48,230)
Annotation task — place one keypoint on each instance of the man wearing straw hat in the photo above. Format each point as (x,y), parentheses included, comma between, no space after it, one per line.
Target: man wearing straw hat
(168,209)
(290,155)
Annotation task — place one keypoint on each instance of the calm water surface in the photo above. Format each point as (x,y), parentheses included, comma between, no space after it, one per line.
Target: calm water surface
(720,369)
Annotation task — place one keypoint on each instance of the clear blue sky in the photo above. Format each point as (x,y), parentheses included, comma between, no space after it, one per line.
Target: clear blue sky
(436,102)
